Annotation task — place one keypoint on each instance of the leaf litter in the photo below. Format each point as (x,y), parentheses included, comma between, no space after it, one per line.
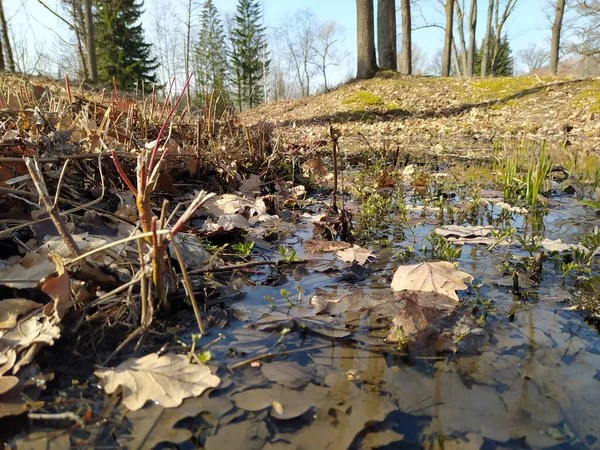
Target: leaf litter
(96,271)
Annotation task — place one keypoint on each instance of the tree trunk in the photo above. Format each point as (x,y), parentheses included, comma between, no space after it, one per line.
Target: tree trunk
(6,40)
(386,34)
(555,42)
(365,39)
(456,61)
(90,42)
(447,55)
(485,51)
(2,65)
(472,44)
(460,23)
(406,56)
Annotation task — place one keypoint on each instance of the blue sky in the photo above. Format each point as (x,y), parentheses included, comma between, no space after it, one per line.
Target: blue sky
(527,25)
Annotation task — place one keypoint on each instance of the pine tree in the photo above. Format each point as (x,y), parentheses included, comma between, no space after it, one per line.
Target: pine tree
(504,63)
(122,52)
(211,57)
(249,54)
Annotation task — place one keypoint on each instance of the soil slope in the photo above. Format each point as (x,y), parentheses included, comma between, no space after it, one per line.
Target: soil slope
(443,114)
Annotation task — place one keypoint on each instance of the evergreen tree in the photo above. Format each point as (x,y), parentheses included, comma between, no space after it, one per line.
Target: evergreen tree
(249,54)
(504,62)
(122,52)
(211,57)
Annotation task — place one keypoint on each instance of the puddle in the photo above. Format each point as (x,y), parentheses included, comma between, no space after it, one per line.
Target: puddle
(525,377)
(510,366)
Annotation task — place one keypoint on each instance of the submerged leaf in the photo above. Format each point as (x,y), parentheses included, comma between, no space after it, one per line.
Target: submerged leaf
(289,374)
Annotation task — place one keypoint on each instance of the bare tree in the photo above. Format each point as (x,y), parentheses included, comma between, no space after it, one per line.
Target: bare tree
(406,58)
(325,51)
(559,11)
(299,33)
(77,24)
(499,21)
(447,55)
(485,50)
(365,39)
(90,40)
(168,46)
(461,61)
(386,34)
(10,61)
(467,49)
(469,70)
(533,56)
(419,62)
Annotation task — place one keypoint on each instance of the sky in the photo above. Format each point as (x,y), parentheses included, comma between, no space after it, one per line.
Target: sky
(36,31)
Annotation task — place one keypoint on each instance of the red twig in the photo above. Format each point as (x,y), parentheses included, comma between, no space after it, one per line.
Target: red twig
(123,175)
(164,126)
(116,90)
(162,111)
(68,88)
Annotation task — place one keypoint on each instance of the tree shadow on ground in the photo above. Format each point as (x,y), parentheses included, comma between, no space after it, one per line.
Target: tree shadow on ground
(389,115)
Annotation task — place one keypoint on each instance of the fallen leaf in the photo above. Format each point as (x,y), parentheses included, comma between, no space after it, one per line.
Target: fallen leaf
(441,277)
(288,374)
(166,379)
(12,308)
(322,245)
(7,383)
(556,245)
(227,204)
(154,423)
(250,435)
(285,403)
(45,440)
(355,253)
(250,185)
(37,329)
(464,232)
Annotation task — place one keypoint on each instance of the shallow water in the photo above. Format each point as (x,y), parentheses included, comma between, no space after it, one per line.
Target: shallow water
(527,377)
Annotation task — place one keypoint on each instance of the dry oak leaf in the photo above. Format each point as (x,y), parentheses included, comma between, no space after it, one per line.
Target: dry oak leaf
(441,277)
(167,379)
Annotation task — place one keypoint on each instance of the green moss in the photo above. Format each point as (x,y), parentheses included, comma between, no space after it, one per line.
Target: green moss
(361,100)
(501,87)
(589,98)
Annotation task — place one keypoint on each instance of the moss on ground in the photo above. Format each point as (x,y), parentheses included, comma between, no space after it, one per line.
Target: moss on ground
(361,100)
(588,98)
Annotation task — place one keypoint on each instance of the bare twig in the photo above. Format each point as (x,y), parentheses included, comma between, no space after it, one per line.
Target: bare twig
(188,287)
(57,416)
(51,208)
(127,340)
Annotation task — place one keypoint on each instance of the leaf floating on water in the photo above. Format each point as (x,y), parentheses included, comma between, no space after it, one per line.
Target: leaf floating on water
(441,277)
(166,379)
(355,253)
(459,231)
